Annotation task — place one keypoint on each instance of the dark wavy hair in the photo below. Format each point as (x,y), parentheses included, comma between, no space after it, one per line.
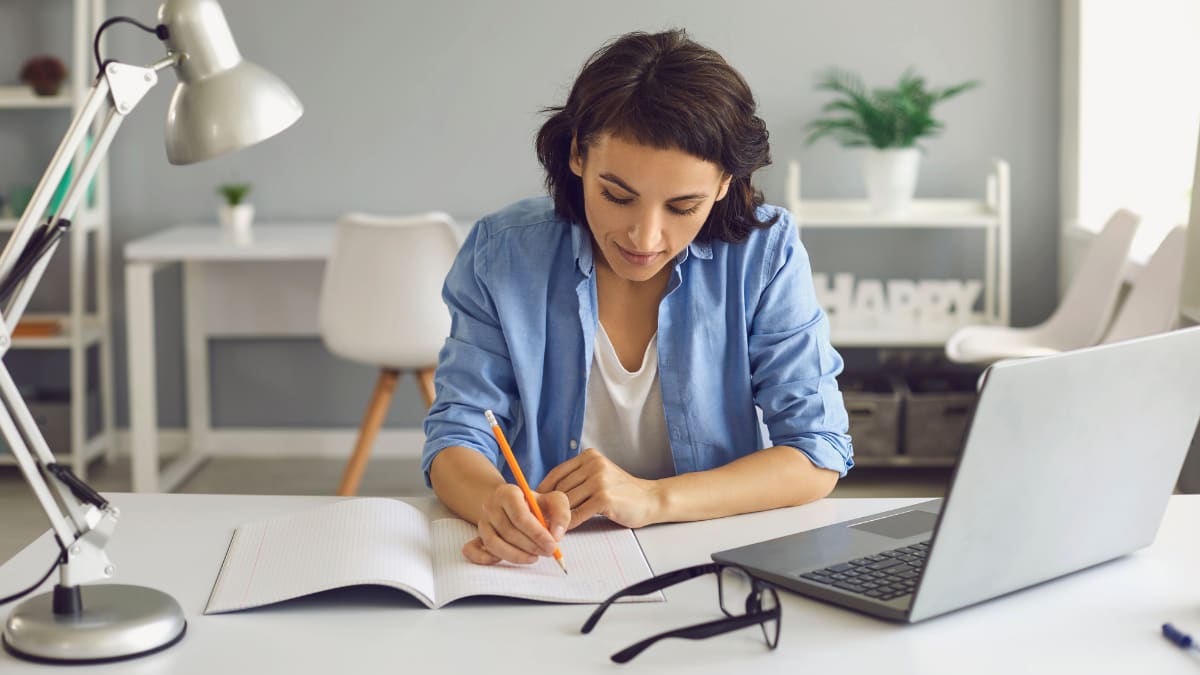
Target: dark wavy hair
(665,91)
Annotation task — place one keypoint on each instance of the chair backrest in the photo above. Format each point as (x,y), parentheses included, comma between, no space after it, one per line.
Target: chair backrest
(381,298)
(1083,315)
(1152,305)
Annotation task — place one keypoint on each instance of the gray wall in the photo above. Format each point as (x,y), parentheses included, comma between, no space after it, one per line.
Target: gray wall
(413,106)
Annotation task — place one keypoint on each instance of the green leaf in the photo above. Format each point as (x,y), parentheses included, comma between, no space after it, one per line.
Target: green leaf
(884,117)
(233,193)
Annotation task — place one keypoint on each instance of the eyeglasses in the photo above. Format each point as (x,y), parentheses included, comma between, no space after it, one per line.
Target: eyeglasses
(736,588)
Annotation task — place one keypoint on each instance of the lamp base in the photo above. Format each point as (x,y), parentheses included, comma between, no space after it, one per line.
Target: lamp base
(117,622)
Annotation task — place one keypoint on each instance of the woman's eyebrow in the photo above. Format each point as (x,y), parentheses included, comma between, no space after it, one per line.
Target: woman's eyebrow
(620,183)
(625,186)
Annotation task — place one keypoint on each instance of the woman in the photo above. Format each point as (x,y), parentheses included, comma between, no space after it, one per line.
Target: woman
(624,329)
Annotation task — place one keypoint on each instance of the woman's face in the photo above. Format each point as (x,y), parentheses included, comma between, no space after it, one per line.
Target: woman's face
(644,205)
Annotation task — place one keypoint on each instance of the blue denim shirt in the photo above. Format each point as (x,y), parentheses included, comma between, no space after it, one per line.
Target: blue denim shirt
(739,326)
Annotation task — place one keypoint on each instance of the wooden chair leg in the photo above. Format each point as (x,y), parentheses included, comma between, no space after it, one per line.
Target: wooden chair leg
(385,386)
(425,382)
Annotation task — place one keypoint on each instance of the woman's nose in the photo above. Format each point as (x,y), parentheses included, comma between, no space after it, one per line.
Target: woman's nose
(646,232)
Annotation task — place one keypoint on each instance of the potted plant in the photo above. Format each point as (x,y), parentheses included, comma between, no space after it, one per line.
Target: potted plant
(45,74)
(235,215)
(886,121)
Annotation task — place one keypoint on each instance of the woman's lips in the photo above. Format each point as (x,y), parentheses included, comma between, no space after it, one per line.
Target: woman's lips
(636,258)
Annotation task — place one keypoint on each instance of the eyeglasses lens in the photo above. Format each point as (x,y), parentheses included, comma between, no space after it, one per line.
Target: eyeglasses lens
(736,588)
(769,601)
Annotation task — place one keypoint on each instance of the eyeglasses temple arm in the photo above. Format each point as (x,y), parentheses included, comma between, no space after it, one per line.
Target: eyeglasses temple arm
(698,632)
(649,586)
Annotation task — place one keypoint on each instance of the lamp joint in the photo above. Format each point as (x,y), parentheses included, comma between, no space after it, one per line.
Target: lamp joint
(128,84)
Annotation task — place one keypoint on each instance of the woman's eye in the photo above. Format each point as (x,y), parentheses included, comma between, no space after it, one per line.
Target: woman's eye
(622,201)
(609,196)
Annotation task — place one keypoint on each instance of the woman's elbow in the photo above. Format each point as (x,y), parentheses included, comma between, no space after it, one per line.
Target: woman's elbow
(816,482)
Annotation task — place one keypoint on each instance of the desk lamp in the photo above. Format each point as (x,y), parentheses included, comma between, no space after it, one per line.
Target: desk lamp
(221,103)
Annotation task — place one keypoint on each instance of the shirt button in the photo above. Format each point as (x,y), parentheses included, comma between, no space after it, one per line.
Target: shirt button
(574,444)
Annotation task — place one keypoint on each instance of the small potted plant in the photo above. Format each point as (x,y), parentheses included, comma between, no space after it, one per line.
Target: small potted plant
(45,74)
(235,214)
(886,121)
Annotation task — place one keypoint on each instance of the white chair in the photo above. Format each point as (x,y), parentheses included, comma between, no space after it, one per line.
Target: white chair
(1082,317)
(1152,305)
(381,305)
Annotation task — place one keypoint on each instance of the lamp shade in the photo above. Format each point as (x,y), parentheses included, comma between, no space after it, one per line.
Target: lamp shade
(222,102)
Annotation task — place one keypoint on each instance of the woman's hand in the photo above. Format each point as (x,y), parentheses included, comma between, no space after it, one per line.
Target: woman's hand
(508,530)
(594,485)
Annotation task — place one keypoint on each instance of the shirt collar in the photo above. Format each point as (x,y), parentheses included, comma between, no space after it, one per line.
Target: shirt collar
(581,244)
(702,250)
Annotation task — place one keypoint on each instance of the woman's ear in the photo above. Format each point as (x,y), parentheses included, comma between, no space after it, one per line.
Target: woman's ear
(576,161)
(724,189)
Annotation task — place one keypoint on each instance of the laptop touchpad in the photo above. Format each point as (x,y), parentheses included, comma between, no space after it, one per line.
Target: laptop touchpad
(901,525)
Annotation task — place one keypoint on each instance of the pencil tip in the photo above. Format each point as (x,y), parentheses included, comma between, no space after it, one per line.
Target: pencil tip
(563,566)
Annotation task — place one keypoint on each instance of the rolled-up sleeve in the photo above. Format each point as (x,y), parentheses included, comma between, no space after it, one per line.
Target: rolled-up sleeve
(793,365)
(474,371)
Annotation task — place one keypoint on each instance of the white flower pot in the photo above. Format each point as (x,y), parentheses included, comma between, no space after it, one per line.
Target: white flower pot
(236,221)
(891,179)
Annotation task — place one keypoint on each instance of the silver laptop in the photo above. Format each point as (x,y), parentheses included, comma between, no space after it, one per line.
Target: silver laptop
(1068,462)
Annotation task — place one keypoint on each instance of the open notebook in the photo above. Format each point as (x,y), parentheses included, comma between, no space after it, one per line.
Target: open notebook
(390,543)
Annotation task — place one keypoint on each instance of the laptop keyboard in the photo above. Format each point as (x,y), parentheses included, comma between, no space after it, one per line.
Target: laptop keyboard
(886,576)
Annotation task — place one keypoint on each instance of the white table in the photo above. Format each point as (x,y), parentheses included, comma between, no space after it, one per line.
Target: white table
(1102,620)
(268,288)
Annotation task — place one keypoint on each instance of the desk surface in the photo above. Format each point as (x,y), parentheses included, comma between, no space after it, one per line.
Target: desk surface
(277,241)
(269,241)
(1102,620)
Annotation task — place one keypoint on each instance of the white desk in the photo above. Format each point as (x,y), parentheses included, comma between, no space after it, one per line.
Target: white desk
(1102,620)
(265,289)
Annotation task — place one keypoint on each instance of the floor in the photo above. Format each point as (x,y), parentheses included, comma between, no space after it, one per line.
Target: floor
(22,520)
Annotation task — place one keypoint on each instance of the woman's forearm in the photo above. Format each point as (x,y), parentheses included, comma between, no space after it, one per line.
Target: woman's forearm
(775,477)
(463,479)
(770,478)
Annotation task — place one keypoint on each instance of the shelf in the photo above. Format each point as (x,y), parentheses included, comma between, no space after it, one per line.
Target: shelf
(87,270)
(914,337)
(866,338)
(95,446)
(953,213)
(905,461)
(988,215)
(21,96)
(90,220)
(93,332)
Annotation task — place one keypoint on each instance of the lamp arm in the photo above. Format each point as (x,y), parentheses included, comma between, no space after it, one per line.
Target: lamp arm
(122,87)
(97,97)
(83,531)
(243,107)
(82,536)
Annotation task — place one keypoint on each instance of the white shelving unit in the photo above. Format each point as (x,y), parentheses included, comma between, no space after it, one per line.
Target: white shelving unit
(23,97)
(989,215)
(868,462)
(81,327)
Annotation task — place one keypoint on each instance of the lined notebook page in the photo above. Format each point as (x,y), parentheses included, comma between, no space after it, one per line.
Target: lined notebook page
(351,542)
(601,557)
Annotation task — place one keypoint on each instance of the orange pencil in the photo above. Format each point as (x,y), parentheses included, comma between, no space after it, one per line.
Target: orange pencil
(520,476)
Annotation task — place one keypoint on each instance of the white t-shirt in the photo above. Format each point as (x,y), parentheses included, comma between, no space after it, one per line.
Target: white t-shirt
(623,414)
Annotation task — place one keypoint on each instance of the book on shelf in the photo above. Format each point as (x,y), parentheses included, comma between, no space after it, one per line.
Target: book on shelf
(37,328)
(387,542)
